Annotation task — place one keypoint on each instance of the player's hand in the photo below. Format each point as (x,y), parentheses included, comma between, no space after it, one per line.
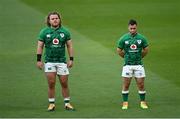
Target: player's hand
(70,64)
(40,65)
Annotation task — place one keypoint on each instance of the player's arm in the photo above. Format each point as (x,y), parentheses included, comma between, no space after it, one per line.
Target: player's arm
(39,52)
(120,52)
(70,52)
(145,51)
(120,47)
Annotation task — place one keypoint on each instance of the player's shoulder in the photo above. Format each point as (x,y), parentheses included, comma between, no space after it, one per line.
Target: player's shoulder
(125,36)
(45,30)
(140,36)
(64,29)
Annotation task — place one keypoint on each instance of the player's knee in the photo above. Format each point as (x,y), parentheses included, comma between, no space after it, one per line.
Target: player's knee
(51,86)
(64,85)
(141,86)
(51,83)
(126,87)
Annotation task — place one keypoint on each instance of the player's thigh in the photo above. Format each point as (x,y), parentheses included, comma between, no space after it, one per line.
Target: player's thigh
(126,83)
(63,79)
(51,78)
(127,72)
(50,72)
(126,80)
(49,67)
(139,72)
(62,69)
(140,83)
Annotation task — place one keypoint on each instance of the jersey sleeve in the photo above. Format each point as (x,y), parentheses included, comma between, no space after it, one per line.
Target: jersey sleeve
(68,35)
(145,42)
(41,36)
(120,43)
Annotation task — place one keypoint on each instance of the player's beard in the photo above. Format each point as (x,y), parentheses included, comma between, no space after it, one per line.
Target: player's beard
(55,25)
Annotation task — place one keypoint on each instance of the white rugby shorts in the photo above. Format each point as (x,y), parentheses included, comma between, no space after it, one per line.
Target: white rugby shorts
(133,70)
(60,68)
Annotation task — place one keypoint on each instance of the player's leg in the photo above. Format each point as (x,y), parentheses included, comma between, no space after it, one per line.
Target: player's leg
(140,78)
(140,85)
(127,75)
(51,77)
(65,92)
(64,85)
(125,88)
(50,72)
(125,92)
(63,78)
(142,92)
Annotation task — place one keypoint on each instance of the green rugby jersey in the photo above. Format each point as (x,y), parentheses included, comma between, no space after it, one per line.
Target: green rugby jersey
(55,42)
(132,46)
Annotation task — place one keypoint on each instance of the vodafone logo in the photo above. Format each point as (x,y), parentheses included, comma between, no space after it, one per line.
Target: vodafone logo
(55,41)
(133,46)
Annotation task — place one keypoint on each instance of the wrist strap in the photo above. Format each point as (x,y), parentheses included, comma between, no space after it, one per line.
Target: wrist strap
(71,58)
(39,57)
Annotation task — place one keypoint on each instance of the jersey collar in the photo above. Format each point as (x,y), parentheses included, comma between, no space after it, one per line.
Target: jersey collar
(133,35)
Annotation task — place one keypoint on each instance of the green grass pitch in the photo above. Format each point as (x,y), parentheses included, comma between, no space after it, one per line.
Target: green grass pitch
(95,81)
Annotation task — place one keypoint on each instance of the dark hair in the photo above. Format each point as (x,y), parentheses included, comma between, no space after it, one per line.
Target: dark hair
(48,18)
(132,22)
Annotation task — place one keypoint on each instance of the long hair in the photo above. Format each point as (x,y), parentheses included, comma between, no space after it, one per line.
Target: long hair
(48,18)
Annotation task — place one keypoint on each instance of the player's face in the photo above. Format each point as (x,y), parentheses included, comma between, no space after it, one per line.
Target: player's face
(54,20)
(132,29)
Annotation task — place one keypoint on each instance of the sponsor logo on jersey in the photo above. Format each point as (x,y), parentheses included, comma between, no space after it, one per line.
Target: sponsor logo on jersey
(133,46)
(55,41)
(62,35)
(126,42)
(48,35)
(139,41)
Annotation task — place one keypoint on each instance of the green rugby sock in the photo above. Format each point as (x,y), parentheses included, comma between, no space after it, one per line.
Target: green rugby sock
(142,95)
(125,95)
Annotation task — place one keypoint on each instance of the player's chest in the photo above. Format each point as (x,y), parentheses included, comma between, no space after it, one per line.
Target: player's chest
(133,43)
(55,37)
